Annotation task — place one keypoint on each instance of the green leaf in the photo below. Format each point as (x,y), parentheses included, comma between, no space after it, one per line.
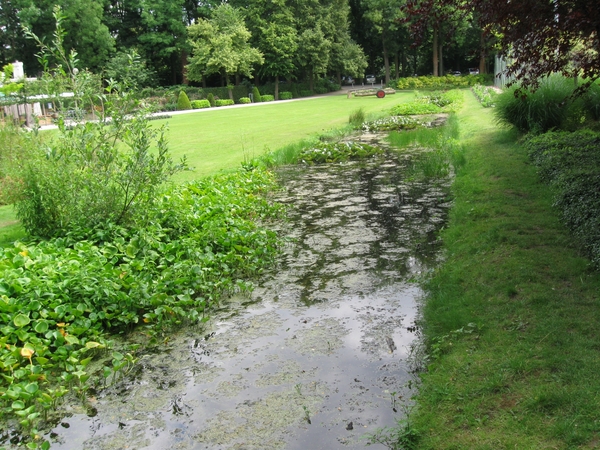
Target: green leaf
(21,320)
(41,326)
(71,339)
(92,344)
(18,404)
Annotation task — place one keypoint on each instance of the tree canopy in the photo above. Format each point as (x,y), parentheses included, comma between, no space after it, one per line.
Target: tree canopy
(538,37)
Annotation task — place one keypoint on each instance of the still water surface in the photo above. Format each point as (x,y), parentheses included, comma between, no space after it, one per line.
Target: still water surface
(318,355)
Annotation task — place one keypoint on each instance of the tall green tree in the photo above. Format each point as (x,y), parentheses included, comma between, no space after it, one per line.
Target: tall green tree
(163,37)
(86,32)
(274,33)
(221,45)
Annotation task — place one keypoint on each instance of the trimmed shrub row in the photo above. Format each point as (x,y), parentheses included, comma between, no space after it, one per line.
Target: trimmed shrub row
(445,82)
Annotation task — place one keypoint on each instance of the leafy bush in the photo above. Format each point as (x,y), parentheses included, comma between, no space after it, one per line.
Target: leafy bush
(94,173)
(256,95)
(58,300)
(570,163)
(224,102)
(211,99)
(337,152)
(285,95)
(200,104)
(183,102)
(244,100)
(305,93)
(267,98)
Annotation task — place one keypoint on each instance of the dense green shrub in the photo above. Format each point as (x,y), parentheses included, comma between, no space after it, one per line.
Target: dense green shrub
(305,93)
(256,95)
(183,102)
(92,174)
(224,102)
(244,100)
(285,95)
(200,104)
(570,163)
(551,107)
(267,98)
(591,101)
(211,100)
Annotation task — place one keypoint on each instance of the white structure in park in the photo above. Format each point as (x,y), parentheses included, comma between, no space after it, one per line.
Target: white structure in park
(23,107)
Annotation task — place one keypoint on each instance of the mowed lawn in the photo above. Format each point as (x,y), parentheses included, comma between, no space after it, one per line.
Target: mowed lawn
(221,138)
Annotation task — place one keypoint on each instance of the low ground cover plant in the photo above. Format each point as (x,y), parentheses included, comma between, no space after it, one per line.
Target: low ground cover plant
(393,123)
(570,163)
(59,298)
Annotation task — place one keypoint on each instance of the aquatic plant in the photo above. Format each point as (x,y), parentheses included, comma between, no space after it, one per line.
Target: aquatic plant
(337,152)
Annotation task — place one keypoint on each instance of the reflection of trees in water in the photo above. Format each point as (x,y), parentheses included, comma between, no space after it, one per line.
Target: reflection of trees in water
(361,220)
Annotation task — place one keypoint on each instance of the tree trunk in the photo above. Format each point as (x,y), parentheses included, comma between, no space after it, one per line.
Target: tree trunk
(311,82)
(386,61)
(435,52)
(441,56)
(184,56)
(482,54)
(276,87)
(397,65)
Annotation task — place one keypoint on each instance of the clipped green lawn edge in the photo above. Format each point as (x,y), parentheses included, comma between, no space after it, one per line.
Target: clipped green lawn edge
(529,378)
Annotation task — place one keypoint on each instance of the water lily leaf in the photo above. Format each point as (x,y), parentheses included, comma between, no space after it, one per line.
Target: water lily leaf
(21,320)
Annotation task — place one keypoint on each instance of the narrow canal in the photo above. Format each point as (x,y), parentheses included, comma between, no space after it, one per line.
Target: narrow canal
(317,356)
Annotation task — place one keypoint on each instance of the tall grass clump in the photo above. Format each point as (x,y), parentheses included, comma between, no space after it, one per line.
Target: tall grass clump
(444,150)
(426,137)
(357,117)
(551,107)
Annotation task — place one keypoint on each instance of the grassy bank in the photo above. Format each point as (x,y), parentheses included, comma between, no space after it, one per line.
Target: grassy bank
(513,314)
